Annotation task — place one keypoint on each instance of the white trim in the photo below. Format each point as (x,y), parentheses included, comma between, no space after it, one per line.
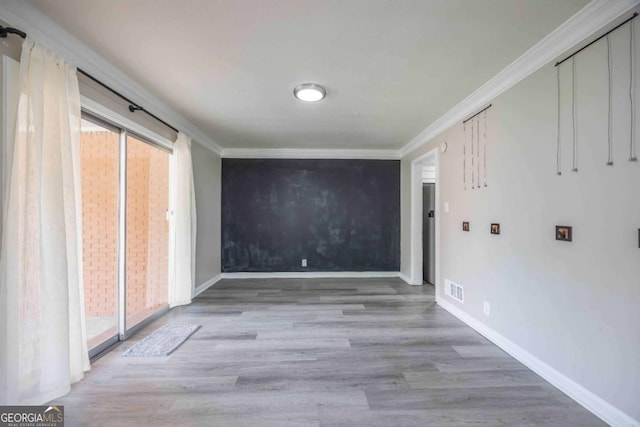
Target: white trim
(118,120)
(312,275)
(580,26)
(121,241)
(170,216)
(208,147)
(298,275)
(41,28)
(416,224)
(179,303)
(438,222)
(598,406)
(405,278)
(309,153)
(206,285)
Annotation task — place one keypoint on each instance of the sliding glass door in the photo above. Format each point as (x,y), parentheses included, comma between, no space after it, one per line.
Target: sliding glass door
(99,161)
(147,232)
(125,200)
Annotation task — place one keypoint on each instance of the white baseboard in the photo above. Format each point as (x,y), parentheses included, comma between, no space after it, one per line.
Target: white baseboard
(179,303)
(206,285)
(405,278)
(598,406)
(300,275)
(312,275)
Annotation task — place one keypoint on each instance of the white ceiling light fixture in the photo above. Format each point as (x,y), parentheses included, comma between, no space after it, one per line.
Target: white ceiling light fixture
(309,92)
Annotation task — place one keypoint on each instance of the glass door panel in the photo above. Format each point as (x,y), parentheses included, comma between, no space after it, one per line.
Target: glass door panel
(99,176)
(147,230)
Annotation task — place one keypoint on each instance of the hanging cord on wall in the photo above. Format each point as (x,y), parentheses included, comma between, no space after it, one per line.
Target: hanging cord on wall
(574,167)
(632,152)
(478,148)
(464,156)
(610,117)
(558,150)
(473,181)
(632,70)
(484,139)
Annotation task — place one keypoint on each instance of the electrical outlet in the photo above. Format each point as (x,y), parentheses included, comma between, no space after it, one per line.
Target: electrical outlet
(304,262)
(486,308)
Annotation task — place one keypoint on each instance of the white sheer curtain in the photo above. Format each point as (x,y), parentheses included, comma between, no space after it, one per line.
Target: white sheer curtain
(43,347)
(182,285)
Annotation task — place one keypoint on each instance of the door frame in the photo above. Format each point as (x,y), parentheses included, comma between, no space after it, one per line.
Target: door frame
(430,158)
(103,116)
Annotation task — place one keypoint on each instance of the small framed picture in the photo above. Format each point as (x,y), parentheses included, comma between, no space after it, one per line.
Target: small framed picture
(495,228)
(564,233)
(465,226)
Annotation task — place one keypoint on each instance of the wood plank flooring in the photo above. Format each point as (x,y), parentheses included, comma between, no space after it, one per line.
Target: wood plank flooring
(322,352)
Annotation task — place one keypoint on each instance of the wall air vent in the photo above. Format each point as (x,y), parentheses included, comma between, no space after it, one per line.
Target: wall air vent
(454,290)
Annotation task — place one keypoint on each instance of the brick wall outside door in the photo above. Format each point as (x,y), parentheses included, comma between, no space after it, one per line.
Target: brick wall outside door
(148,229)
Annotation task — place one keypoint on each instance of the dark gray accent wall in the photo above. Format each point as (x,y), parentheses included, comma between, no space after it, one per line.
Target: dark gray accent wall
(339,215)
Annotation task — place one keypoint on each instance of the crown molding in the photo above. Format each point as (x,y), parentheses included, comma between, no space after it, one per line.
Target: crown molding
(309,153)
(39,27)
(583,24)
(590,19)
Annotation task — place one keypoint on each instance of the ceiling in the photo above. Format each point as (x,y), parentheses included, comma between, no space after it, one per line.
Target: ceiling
(391,68)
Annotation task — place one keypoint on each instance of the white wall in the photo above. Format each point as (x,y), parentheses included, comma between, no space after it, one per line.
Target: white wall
(574,306)
(207,169)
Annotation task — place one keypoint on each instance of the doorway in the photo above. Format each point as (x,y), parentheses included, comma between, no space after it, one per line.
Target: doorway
(429,232)
(425,220)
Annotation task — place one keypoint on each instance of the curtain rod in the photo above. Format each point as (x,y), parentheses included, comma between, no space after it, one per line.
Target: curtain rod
(602,36)
(478,113)
(133,107)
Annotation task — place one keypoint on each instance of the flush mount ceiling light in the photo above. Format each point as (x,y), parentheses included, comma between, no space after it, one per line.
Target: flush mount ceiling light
(309,92)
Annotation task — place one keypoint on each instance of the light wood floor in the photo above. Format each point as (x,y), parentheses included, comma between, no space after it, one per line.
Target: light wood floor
(361,352)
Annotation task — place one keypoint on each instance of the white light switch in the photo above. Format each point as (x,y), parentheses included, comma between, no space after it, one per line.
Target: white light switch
(446,207)
(487,308)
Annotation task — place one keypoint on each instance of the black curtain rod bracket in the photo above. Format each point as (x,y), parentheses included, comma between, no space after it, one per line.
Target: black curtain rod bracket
(4,31)
(477,114)
(599,38)
(133,107)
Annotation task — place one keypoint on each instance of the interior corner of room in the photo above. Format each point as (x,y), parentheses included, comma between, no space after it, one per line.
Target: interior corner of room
(453,203)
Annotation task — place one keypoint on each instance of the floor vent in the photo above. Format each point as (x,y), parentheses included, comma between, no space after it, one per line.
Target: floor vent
(454,290)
